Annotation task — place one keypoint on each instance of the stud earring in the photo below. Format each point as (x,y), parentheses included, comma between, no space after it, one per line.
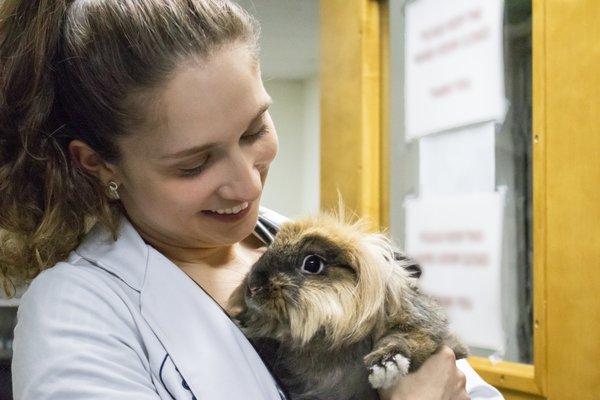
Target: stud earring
(112,190)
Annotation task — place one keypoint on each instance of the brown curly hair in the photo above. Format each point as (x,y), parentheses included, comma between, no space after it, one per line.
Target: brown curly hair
(86,70)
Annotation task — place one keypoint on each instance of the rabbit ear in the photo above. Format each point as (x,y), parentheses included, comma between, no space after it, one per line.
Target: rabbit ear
(414,269)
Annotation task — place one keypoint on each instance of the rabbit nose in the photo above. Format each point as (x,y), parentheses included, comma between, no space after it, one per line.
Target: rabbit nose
(254,289)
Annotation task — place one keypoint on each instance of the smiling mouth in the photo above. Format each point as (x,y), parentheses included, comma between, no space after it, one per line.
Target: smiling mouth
(233,210)
(236,213)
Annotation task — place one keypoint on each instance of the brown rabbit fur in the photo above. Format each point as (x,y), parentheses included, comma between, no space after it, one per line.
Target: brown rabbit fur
(334,314)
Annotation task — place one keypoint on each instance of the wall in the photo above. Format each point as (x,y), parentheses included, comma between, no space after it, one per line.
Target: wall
(292,187)
(289,59)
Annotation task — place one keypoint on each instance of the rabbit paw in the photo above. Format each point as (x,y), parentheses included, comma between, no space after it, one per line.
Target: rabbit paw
(387,370)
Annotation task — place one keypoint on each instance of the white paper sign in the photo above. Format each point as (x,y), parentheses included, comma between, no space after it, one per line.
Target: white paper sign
(457,240)
(458,161)
(454,64)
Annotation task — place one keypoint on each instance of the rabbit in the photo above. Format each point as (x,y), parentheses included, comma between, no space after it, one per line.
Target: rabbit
(336,313)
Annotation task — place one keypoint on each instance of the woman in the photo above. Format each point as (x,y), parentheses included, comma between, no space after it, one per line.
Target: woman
(148,118)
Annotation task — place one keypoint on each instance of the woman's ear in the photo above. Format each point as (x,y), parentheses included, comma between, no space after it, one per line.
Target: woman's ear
(90,161)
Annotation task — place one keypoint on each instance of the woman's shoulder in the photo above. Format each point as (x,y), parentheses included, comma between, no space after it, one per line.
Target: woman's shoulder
(71,288)
(75,270)
(73,320)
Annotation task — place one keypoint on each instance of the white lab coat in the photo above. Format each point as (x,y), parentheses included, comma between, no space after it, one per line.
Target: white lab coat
(118,320)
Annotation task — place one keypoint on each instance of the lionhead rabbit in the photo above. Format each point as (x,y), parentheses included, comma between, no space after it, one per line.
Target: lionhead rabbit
(336,313)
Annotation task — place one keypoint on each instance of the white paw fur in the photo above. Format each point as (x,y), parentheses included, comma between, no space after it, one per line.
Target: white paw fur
(382,377)
(377,376)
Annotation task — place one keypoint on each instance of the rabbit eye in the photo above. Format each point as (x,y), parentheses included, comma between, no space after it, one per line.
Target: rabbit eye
(313,264)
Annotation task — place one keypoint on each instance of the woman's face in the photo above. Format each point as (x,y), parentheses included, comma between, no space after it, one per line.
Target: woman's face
(210,149)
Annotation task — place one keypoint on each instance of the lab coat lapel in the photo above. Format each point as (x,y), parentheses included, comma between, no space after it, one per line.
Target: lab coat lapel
(212,354)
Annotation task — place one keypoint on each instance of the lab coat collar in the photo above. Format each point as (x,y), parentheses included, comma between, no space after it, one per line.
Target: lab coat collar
(186,320)
(126,258)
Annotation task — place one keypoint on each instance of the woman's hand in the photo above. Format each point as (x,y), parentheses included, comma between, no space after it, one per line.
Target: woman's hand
(437,379)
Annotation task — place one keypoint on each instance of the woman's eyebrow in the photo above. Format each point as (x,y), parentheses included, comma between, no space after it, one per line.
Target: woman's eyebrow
(190,151)
(208,146)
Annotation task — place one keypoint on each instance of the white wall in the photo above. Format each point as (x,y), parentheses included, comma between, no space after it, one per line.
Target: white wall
(289,59)
(289,36)
(312,144)
(292,187)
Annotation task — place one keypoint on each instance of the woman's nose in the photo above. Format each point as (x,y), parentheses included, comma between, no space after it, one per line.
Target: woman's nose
(243,181)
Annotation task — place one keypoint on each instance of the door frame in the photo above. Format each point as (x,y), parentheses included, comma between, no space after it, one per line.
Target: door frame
(354,73)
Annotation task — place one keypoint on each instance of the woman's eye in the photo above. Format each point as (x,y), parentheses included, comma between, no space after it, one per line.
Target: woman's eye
(255,136)
(193,171)
(186,173)
(313,264)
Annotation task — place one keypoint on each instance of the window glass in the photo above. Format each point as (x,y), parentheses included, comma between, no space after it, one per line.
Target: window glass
(511,164)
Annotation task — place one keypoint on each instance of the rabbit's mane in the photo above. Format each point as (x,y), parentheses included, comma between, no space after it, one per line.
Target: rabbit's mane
(345,312)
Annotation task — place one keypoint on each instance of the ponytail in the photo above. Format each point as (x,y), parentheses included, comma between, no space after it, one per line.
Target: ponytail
(30,32)
(40,211)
